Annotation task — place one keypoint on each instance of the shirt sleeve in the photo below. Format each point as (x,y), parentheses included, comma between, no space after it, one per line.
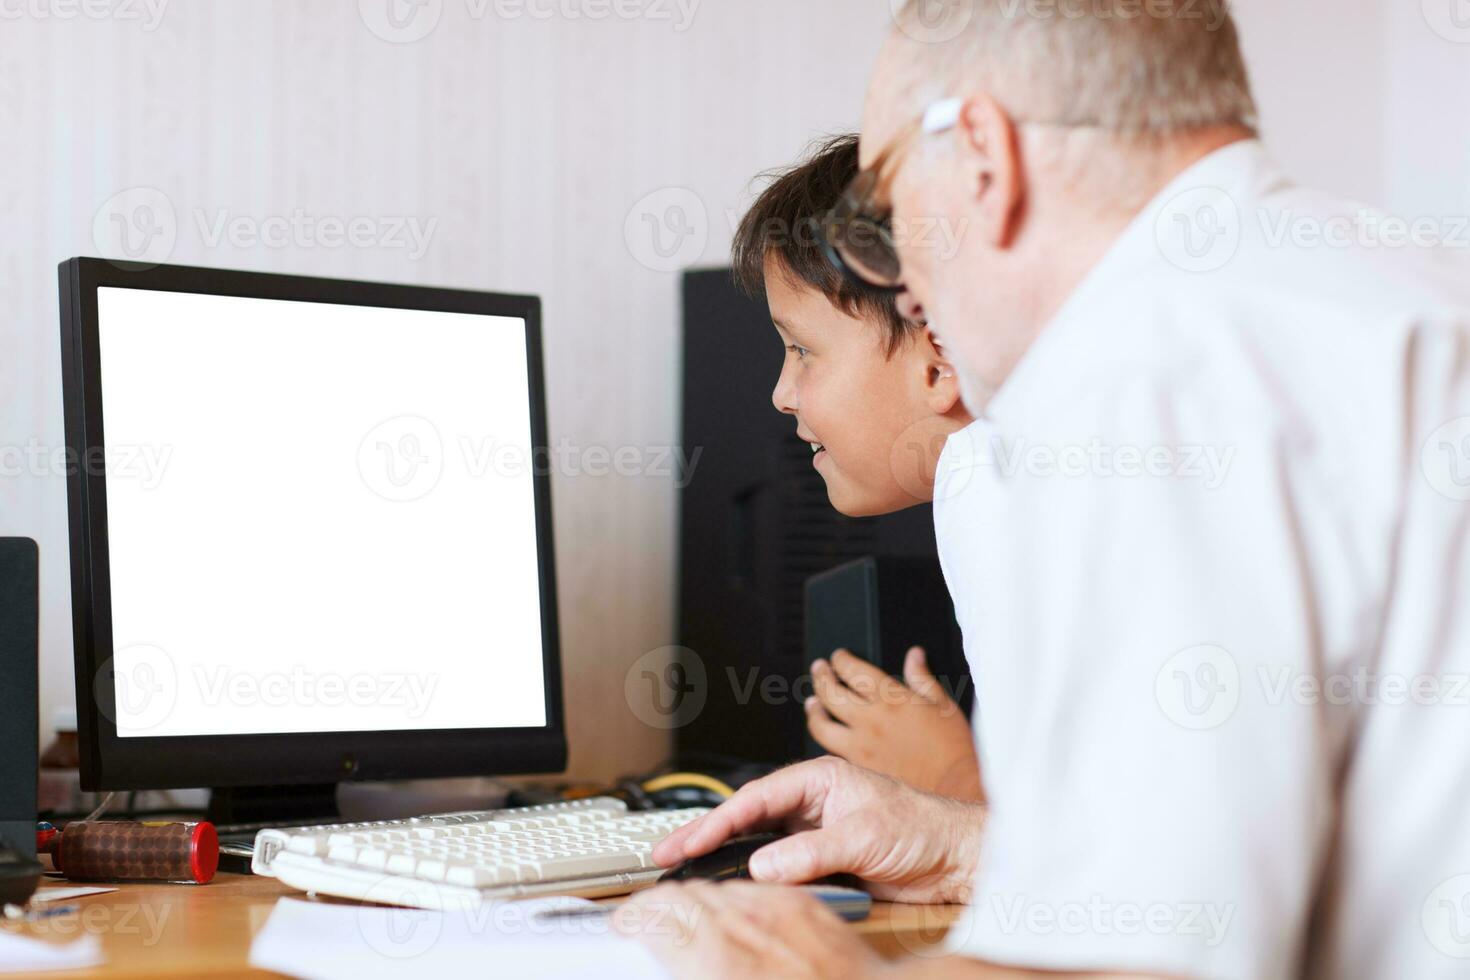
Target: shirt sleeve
(1143,607)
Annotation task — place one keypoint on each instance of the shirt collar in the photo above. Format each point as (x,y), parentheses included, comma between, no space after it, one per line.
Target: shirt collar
(1235,169)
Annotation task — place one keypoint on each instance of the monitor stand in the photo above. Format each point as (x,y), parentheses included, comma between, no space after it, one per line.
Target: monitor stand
(253,805)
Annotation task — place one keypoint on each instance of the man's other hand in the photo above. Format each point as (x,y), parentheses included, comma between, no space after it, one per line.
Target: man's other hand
(739,929)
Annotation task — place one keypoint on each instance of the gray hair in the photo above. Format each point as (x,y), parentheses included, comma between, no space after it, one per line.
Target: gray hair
(1141,67)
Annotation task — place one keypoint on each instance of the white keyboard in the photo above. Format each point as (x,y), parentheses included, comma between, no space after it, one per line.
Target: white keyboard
(590,848)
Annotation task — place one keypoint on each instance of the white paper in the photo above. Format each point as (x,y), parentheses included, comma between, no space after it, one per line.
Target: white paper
(20,954)
(320,941)
(57,894)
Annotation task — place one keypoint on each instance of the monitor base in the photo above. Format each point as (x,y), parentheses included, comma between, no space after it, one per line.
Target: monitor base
(250,805)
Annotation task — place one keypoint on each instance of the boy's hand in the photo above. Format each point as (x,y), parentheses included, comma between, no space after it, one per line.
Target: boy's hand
(914,732)
(906,845)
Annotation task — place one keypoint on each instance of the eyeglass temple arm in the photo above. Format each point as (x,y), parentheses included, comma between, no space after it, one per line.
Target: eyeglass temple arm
(942,115)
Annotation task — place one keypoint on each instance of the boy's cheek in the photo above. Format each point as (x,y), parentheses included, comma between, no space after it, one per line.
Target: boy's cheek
(858,487)
(842,493)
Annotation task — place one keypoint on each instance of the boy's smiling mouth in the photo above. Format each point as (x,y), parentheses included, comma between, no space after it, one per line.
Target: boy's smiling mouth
(817,448)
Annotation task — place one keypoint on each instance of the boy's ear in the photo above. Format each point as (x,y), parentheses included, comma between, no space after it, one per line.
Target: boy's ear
(941,383)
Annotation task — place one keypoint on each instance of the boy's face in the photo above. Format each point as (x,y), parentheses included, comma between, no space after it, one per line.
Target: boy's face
(881,421)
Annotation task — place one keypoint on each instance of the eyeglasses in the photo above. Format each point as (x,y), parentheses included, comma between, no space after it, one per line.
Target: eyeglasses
(857,234)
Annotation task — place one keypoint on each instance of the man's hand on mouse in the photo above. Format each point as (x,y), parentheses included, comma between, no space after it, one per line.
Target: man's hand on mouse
(740,929)
(906,845)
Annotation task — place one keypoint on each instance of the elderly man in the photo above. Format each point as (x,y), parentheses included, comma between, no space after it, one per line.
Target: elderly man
(1207,538)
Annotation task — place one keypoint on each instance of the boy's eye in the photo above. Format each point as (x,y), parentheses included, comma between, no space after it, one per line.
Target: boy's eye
(798,350)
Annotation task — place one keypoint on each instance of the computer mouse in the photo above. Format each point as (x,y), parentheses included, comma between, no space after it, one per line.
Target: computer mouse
(732,862)
(724,863)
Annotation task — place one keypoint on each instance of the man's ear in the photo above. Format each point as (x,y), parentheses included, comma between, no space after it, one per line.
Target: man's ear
(991,164)
(941,383)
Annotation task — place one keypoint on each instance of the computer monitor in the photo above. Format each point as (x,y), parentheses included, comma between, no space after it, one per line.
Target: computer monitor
(310,530)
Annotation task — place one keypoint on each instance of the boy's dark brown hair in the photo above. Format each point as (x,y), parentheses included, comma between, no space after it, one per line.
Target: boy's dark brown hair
(785,223)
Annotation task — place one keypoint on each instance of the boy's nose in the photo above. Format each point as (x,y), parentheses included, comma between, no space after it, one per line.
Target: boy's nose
(782,396)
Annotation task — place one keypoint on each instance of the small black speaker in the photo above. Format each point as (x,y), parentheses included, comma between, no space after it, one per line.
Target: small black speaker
(19,653)
(878,607)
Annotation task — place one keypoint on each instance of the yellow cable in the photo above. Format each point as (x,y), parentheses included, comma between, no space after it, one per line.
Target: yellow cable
(688,779)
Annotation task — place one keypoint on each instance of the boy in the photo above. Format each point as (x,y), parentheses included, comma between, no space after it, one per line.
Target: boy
(874,396)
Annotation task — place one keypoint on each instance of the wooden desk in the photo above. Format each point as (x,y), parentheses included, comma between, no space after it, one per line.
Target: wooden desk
(152,931)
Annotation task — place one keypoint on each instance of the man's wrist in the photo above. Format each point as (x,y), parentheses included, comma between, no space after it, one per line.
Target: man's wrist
(961,781)
(966,825)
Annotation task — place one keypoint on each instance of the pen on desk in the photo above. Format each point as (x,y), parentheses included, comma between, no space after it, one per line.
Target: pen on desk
(51,912)
(17,914)
(580,912)
(850,904)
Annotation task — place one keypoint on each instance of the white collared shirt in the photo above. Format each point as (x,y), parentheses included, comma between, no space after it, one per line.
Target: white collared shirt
(1210,550)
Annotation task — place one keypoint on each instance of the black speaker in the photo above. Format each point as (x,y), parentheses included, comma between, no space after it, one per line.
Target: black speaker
(19,653)
(878,607)
(755,523)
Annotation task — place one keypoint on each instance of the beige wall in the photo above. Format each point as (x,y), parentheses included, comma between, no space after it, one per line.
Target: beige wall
(529,141)
(1365,97)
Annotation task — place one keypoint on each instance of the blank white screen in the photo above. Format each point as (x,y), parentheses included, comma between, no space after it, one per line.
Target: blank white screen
(320,517)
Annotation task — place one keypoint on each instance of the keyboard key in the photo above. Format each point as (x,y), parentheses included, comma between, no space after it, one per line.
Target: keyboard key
(586,865)
(431,869)
(373,857)
(344,852)
(475,877)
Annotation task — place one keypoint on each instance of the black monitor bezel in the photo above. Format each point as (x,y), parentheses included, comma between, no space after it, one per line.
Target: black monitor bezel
(109,762)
